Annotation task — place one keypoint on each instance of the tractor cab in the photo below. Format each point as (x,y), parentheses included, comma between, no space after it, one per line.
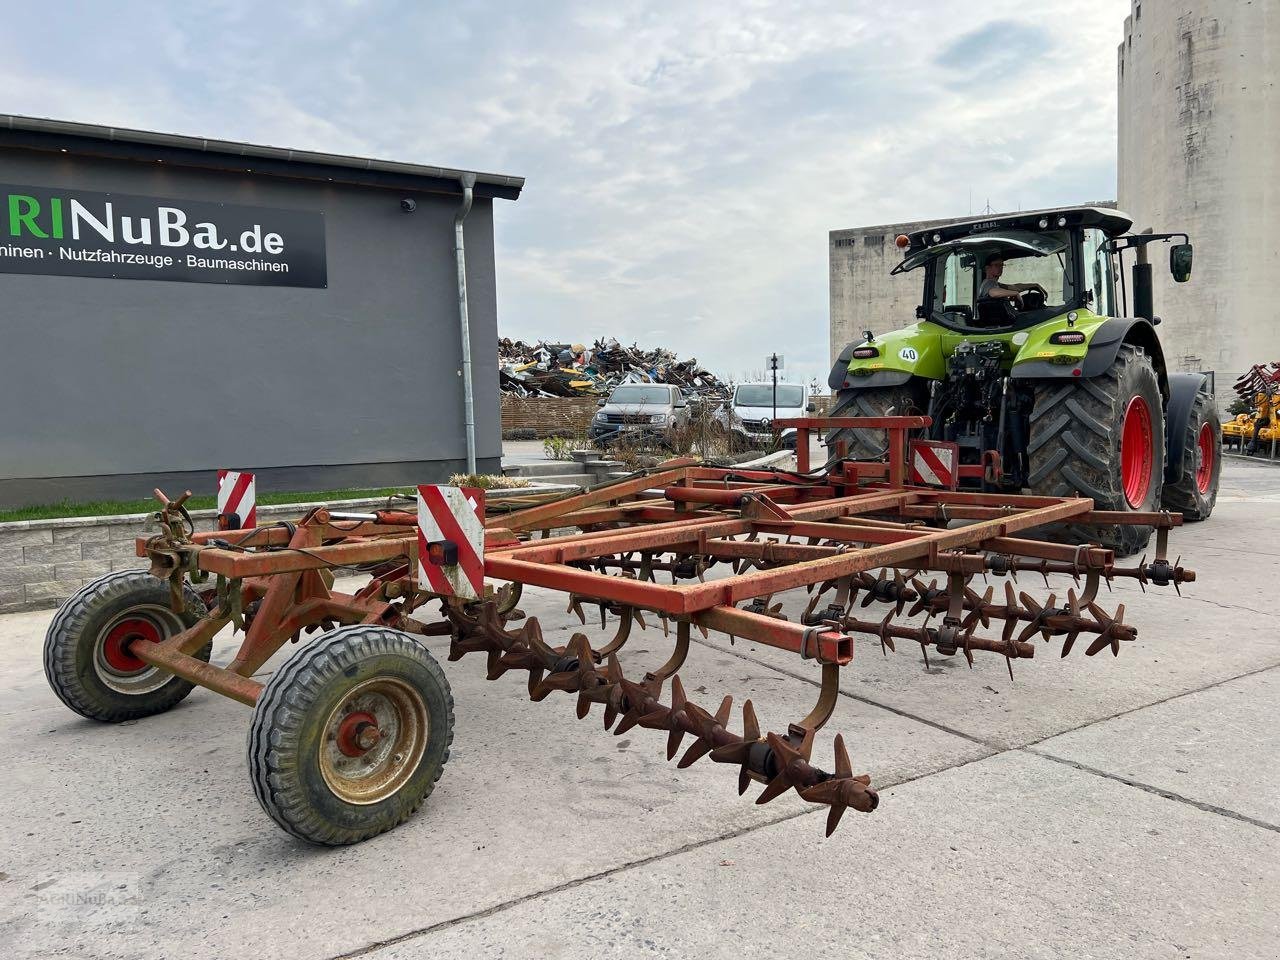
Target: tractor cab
(1059,261)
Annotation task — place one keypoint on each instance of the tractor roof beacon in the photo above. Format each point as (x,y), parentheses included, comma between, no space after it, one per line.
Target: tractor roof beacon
(1040,363)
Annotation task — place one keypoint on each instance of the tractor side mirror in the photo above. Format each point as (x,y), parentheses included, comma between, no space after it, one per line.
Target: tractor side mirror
(601,402)
(811,408)
(1180,262)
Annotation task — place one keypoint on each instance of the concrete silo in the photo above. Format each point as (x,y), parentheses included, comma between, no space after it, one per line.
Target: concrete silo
(1199,131)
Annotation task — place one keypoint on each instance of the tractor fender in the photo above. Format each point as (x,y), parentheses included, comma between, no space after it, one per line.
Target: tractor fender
(842,379)
(1104,345)
(900,355)
(835,380)
(1183,390)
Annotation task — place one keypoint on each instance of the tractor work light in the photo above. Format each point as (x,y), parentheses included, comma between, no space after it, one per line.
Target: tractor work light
(1044,223)
(902,240)
(442,553)
(865,353)
(1062,221)
(1067,337)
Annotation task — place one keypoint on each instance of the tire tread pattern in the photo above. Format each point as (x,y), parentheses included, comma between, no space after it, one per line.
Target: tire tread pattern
(281,712)
(65,633)
(1075,446)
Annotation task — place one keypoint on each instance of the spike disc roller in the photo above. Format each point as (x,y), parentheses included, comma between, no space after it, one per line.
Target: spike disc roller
(350,734)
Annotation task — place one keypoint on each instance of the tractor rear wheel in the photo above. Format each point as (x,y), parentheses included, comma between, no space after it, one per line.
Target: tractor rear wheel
(878,402)
(1196,491)
(1101,438)
(350,735)
(86,650)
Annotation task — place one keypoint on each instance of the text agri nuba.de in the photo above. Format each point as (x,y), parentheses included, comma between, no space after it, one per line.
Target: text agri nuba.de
(168,228)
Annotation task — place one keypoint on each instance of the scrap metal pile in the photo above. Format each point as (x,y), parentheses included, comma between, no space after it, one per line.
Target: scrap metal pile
(339,733)
(1259,390)
(575,370)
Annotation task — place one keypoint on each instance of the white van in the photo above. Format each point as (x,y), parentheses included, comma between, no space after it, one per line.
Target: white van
(755,406)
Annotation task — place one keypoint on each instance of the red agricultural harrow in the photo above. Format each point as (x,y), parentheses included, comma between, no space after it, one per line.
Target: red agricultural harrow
(349,735)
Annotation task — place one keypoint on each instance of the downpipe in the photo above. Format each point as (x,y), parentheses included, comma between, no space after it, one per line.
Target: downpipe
(468,181)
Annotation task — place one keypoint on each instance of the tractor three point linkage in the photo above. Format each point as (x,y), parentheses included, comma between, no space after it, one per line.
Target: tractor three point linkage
(350,733)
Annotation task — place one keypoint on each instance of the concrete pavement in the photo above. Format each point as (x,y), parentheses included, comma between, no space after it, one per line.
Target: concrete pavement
(1090,808)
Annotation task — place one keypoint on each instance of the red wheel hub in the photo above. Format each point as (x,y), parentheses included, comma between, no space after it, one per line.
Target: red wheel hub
(1137,452)
(115,649)
(358,733)
(1208,451)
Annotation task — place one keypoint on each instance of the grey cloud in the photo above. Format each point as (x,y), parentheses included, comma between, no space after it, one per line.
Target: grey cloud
(684,161)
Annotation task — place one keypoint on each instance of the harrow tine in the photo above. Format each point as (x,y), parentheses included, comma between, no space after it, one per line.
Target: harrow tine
(678,702)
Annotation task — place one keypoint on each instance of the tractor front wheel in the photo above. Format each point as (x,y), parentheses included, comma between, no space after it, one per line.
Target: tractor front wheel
(350,735)
(1103,438)
(87,659)
(1195,492)
(877,402)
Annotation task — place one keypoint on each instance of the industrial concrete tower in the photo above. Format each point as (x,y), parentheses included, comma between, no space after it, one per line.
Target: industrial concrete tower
(1199,124)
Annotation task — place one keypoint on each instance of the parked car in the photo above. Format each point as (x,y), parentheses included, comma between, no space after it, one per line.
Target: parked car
(755,406)
(640,412)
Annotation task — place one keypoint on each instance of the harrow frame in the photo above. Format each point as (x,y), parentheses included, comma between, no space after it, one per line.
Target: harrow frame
(681,518)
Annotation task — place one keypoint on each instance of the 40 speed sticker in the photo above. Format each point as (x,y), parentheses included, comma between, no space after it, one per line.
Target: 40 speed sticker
(908,354)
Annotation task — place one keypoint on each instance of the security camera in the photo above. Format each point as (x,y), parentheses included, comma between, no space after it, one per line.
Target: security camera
(408,205)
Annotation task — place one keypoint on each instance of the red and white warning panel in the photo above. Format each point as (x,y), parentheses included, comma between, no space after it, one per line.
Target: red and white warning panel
(935,463)
(237,500)
(451,541)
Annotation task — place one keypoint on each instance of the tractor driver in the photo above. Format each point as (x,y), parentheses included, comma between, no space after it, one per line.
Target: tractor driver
(992,289)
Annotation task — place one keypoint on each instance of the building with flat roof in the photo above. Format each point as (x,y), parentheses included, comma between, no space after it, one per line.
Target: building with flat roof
(174,305)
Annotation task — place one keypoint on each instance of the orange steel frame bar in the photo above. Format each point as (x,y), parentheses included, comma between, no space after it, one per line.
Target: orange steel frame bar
(280,568)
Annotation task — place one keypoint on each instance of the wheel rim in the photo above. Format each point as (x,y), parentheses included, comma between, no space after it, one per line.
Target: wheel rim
(374,740)
(114,662)
(1208,453)
(1137,452)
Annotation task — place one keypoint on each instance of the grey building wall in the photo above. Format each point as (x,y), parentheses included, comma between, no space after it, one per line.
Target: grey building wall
(109,386)
(1199,138)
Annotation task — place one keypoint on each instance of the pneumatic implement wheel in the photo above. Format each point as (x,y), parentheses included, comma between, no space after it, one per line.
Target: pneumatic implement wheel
(1103,438)
(350,735)
(87,656)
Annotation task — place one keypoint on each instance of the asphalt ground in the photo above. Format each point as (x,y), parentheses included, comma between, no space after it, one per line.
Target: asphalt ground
(1090,808)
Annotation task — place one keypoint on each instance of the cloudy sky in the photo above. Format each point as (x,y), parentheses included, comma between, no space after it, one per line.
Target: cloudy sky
(684,161)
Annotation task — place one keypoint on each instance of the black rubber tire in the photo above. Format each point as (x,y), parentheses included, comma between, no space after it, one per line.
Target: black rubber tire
(286,734)
(71,646)
(877,402)
(1075,446)
(1184,496)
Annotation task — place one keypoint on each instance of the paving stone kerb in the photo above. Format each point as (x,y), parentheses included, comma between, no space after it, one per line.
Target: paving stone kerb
(42,562)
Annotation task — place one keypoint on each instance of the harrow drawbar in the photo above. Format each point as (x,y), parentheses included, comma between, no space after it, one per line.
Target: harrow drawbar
(807,563)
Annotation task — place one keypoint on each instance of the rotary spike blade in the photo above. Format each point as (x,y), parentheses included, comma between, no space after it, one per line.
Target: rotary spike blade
(844,768)
(695,753)
(750,725)
(726,707)
(776,788)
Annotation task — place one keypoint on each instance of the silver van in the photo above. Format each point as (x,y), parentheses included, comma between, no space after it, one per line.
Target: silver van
(639,412)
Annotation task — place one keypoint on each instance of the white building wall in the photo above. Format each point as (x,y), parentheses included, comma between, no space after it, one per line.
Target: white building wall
(1199,151)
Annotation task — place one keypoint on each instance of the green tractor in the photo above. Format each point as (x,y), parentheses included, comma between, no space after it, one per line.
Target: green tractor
(1029,362)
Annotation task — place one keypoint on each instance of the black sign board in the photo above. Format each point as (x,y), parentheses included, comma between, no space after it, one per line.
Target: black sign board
(50,230)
